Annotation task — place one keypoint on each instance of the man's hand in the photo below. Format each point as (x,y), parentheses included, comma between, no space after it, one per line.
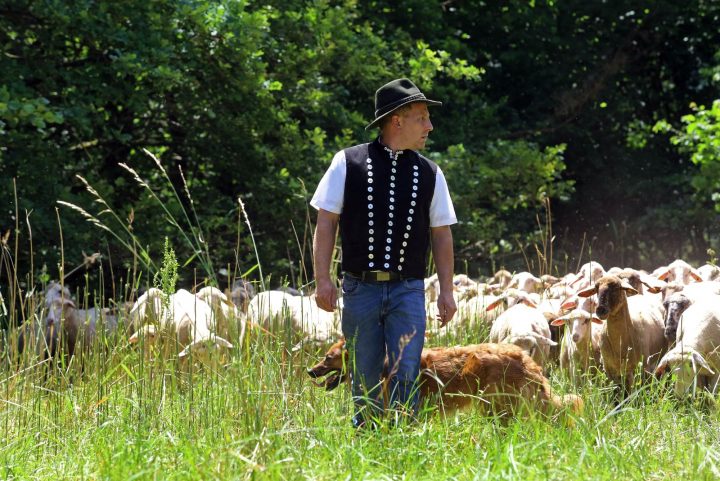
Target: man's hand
(326,295)
(446,307)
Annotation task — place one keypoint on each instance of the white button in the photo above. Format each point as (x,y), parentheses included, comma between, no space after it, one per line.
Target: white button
(390,215)
(389,231)
(370,222)
(371,256)
(415,180)
(399,268)
(407,236)
(392,185)
(411,211)
(414,166)
(371,239)
(390,223)
(414,194)
(370,160)
(370,214)
(392,192)
(389,241)
(394,163)
(404,244)
(370,174)
(392,177)
(392,199)
(370,181)
(402,251)
(402,259)
(414,186)
(408,227)
(369,188)
(370,197)
(371,264)
(394,170)
(387,257)
(370,206)
(387,249)
(369,167)
(391,207)
(371,231)
(412,203)
(370,248)
(387,266)
(409,219)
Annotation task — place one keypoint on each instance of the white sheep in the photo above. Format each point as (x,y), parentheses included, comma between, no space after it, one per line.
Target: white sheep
(679,271)
(709,272)
(526,327)
(270,308)
(678,302)
(580,347)
(186,319)
(228,321)
(696,356)
(527,282)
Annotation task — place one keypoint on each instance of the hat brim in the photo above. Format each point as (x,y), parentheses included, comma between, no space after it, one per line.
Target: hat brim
(430,103)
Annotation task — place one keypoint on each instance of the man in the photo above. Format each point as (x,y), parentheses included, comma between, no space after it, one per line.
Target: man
(390,203)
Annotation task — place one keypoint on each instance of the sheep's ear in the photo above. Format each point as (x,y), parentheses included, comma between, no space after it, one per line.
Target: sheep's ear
(587,292)
(135,338)
(664,275)
(560,321)
(596,319)
(629,290)
(651,288)
(695,275)
(569,304)
(68,303)
(542,340)
(219,341)
(186,352)
(494,304)
(528,302)
(699,360)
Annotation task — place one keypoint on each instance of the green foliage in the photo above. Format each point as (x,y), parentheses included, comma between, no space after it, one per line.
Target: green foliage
(701,139)
(252,99)
(496,192)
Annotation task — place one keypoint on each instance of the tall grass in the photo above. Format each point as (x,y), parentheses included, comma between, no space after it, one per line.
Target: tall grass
(112,413)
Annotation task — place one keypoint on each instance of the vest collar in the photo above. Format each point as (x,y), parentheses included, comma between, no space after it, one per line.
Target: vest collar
(393,154)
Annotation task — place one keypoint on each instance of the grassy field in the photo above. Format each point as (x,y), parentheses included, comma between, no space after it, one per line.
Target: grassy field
(118,416)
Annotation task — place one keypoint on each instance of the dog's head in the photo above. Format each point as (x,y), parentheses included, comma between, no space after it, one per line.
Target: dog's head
(333,365)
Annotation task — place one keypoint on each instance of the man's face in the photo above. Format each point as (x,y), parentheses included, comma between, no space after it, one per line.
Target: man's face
(415,126)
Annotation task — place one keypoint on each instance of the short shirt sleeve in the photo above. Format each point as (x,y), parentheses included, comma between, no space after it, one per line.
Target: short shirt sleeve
(330,192)
(441,208)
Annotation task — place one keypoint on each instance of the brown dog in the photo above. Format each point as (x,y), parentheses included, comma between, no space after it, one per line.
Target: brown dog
(502,378)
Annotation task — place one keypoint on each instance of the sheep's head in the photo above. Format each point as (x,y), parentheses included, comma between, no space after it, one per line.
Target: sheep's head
(612,295)
(207,351)
(580,321)
(674,306)
(687,364)
(334,365)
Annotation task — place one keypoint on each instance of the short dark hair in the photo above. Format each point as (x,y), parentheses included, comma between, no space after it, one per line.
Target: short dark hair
(398,111)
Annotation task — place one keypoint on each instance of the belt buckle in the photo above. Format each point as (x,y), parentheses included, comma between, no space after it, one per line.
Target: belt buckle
(382,276)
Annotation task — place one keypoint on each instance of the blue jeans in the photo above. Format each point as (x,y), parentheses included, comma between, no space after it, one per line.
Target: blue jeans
(378,320)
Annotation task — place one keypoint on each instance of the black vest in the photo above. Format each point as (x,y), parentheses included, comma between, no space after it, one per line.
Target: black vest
(385,221)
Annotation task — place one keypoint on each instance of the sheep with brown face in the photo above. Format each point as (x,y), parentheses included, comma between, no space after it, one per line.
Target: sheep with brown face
(633,331)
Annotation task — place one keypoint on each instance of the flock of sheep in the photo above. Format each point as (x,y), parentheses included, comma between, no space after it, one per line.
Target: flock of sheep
(616,320)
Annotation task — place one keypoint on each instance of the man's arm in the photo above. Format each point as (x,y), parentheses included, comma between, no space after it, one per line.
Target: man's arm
(442,249)
(323,246)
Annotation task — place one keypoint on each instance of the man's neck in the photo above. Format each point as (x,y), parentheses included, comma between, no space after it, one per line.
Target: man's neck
(391,144)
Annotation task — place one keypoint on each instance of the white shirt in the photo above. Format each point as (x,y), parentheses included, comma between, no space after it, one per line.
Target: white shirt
(330,193)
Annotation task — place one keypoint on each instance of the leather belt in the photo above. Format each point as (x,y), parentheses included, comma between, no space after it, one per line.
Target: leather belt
(377,276)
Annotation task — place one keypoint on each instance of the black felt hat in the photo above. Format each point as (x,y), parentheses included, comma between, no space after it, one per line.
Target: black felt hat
(394,95)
